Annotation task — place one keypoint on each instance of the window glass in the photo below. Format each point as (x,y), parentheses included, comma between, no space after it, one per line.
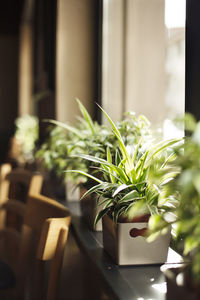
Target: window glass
(144,59)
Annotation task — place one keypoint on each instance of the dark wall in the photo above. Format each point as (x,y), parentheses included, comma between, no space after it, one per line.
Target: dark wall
(10,12)
(45,18)
(44,60)
(98,7)
(192,94)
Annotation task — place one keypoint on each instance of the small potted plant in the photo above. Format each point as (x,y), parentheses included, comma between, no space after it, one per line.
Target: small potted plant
(88,137)
(51,157)
(65,141)
(130,197)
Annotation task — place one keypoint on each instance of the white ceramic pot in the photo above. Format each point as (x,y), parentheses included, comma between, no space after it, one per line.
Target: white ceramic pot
(89,210)
(72,192)
(126,246)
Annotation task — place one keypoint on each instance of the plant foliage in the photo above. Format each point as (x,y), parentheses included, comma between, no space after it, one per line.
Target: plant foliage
(66,142)
(186,187)
(27,133)
(126,182)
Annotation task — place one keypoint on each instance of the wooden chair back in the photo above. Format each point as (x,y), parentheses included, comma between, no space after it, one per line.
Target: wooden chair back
(46,225)
(15,178)
(15,185)
(4,184)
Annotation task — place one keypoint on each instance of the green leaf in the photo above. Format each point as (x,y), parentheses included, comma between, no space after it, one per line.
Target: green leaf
(85,174)
(100,215)
(65,126)
(117,179)
(141,164)
(86,116)
(119,189)
(108,201)
(133,195)
(159,148)
(95,188)
(117,213)
(138,208)
(119,137)
(191,242)
(101,161)
(109,160)
(117,157)
(196,182)
(136,152)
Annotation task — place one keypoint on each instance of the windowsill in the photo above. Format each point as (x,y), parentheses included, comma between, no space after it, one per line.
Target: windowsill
(125,282)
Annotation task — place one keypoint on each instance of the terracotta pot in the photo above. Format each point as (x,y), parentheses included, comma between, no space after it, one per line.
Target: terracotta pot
(126,244)
(89,210)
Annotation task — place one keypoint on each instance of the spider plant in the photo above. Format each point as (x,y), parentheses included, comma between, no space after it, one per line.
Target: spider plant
(126,184)
(88,137)
(66,141)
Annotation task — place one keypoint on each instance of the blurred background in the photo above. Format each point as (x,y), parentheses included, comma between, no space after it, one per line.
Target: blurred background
(123,54)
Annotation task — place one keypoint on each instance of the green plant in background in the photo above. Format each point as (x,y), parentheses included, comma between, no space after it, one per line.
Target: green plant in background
(186,187)
(126,184)
(27,133)
(88,137)
(53,151)
(65,140)
(133,127)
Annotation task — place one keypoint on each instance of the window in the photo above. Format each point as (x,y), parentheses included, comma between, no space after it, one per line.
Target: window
(143,67)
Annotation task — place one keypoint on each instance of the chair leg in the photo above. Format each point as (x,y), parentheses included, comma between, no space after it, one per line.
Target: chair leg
(56,265)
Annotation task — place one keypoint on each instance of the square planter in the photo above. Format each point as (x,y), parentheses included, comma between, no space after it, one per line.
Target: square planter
(89,210)
(72,192)
(124,243)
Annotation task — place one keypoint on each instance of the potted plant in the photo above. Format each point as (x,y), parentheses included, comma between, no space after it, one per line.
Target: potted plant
(183,281)
(94,143)
(130,197)
(89,137)
(65,141)
(51,158)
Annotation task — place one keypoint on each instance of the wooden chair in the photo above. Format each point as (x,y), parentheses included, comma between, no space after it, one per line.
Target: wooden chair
(43,238)
(4,184)
(15,185)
